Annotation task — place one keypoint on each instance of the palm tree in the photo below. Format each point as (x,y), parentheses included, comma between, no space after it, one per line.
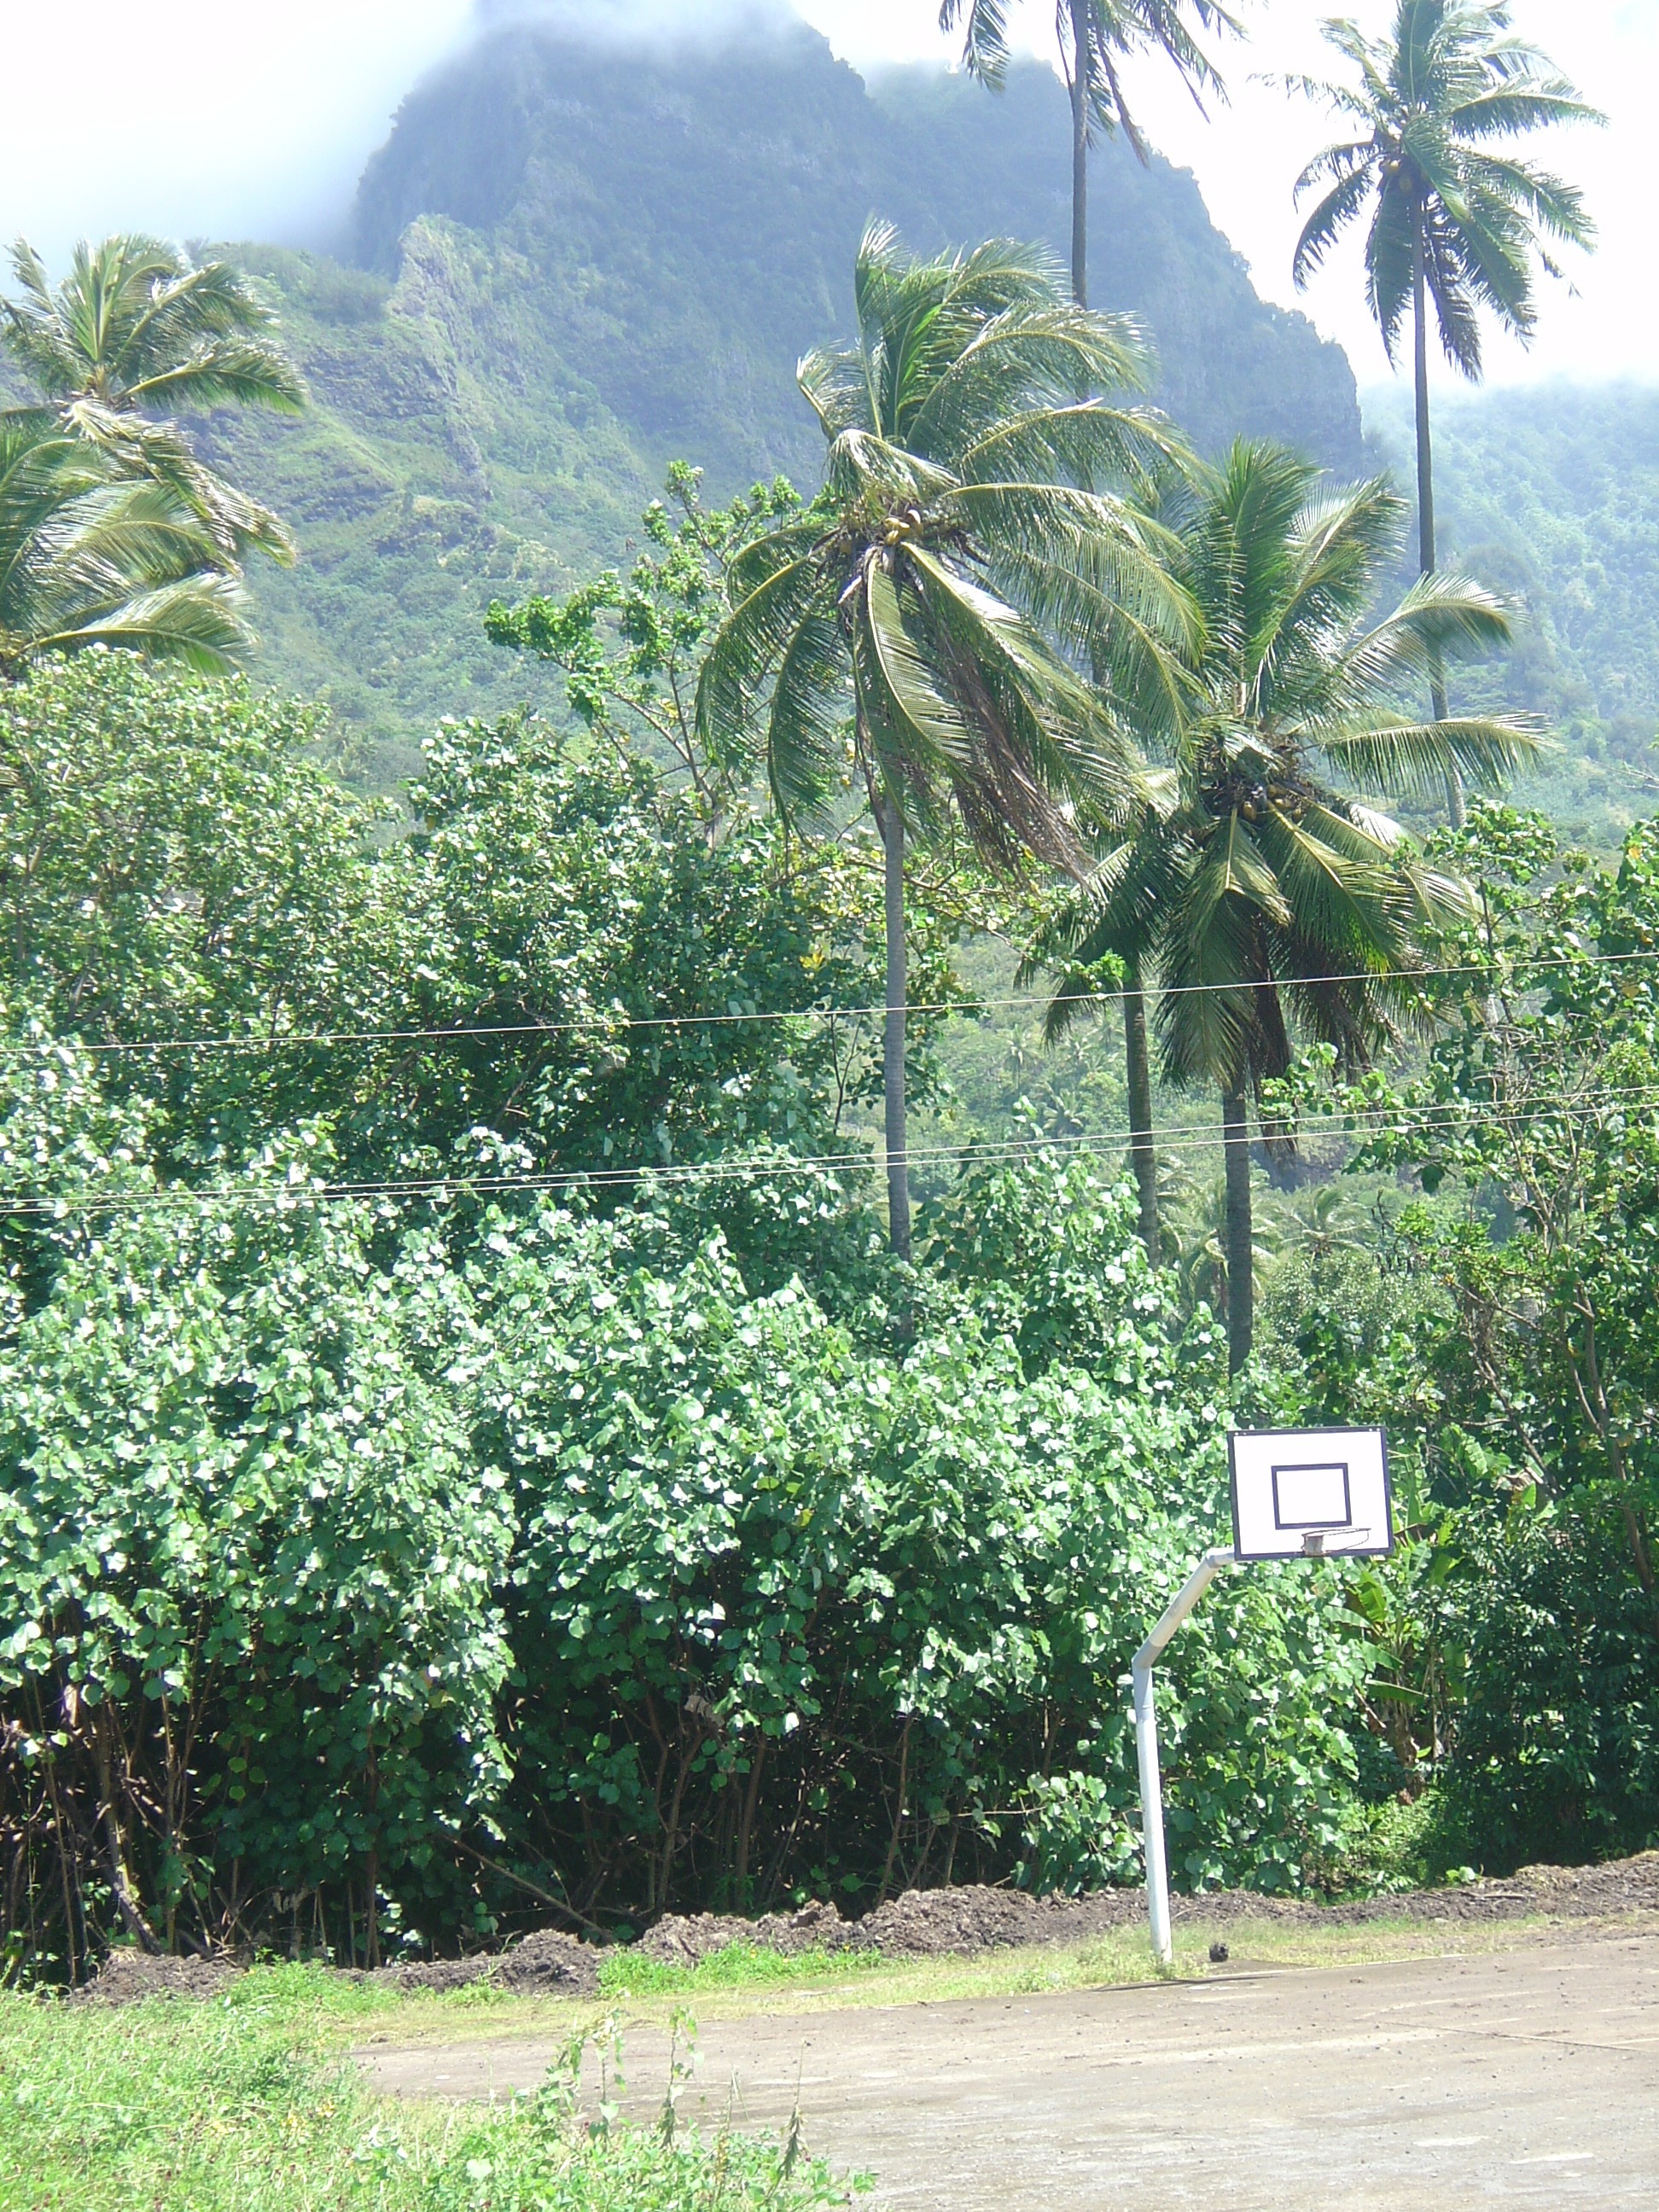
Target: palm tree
(1272,902)
(1455,217)
(89,557)
(1096,38)
(1115,928)
(137,334)
(967,521)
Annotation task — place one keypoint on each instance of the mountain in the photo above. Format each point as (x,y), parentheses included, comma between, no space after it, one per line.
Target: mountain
(691,224)
(1551,495)
(572,264)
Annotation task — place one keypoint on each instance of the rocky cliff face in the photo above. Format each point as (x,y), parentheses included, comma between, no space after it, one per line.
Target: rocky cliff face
(690,223)
(575,265)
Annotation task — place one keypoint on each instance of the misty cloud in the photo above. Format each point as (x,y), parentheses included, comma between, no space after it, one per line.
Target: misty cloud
(658,24)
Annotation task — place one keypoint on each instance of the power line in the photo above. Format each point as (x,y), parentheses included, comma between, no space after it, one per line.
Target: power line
(609,1021)
(1189,1138)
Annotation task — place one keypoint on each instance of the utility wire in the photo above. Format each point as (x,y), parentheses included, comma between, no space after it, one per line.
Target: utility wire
(609,1021)
(1189,1138)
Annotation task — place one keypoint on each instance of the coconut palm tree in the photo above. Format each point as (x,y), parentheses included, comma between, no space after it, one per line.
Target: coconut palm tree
(1102,945)
(1272,902)
(1456,219)
(137,334)
(969,524)
(1096,38)
(89,557)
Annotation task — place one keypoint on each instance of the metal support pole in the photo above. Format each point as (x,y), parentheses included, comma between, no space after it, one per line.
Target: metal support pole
(1152,1787)
(1151,1817)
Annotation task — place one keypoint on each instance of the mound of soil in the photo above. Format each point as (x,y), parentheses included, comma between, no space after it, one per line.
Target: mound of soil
(681,1940)
(127,1976)
(1621,1885)
(938,1923)
(545,1964)
(958,1923)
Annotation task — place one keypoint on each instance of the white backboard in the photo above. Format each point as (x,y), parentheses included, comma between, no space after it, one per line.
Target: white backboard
(1310,1493)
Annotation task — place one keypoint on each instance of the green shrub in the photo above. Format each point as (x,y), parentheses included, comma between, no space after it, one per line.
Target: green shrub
(1557,1754)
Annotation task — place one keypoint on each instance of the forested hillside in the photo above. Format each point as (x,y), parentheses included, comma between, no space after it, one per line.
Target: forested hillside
(577,266)
(1552,495)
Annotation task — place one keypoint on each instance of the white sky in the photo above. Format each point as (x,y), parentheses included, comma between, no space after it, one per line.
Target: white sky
(279,107)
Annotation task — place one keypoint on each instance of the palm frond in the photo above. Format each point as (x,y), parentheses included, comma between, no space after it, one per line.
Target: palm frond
(805,719)
(1341,890)
(749,645)
(198,621)
(985,49)
(225,372)
(1340,207)
(919,718)
(1415,759)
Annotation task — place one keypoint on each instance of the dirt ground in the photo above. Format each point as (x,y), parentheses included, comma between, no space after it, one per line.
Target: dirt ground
(1529,2075)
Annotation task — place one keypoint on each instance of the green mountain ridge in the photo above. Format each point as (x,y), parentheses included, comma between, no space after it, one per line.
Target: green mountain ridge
(573,266)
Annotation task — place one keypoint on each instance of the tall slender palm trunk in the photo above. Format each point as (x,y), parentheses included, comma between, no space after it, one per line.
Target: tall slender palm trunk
(1241,1241)
(1427,561)
(1137,1057)
(891,823)
(1142,1151)
(1079,90)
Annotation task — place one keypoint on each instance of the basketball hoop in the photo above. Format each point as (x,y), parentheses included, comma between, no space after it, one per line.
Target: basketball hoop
(1298,1494)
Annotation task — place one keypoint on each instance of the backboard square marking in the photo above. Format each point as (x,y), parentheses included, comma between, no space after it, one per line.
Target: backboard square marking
(1313,1496)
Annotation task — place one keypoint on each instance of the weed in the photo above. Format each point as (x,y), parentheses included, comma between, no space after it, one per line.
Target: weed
(248,2105)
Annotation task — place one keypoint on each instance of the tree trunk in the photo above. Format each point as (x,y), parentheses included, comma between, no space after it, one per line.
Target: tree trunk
(122,1886)
(372,1910)
(891,823)
(1079,90)
(1142,1150)
(746,1824)
(1427,561)
(1241,1282)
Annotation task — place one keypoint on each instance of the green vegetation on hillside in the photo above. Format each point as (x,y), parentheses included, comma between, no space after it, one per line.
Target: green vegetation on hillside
(1553,497)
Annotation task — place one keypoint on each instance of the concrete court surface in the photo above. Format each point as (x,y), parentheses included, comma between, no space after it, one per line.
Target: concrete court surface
(1528,2077)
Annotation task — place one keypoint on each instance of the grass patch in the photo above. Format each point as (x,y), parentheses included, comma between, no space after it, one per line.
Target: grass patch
(750,1966)
(249,2104)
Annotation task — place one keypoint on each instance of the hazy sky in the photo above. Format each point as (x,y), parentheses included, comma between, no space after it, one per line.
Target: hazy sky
(278,107)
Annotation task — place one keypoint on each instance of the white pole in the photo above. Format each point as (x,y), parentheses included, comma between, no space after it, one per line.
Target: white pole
(1151,1817)
(1151,1786)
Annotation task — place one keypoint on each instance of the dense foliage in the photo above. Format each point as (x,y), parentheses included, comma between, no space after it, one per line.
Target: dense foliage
(448,1478)
(393,1543)
(339,1552)
(1516,1345)
(182,875)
